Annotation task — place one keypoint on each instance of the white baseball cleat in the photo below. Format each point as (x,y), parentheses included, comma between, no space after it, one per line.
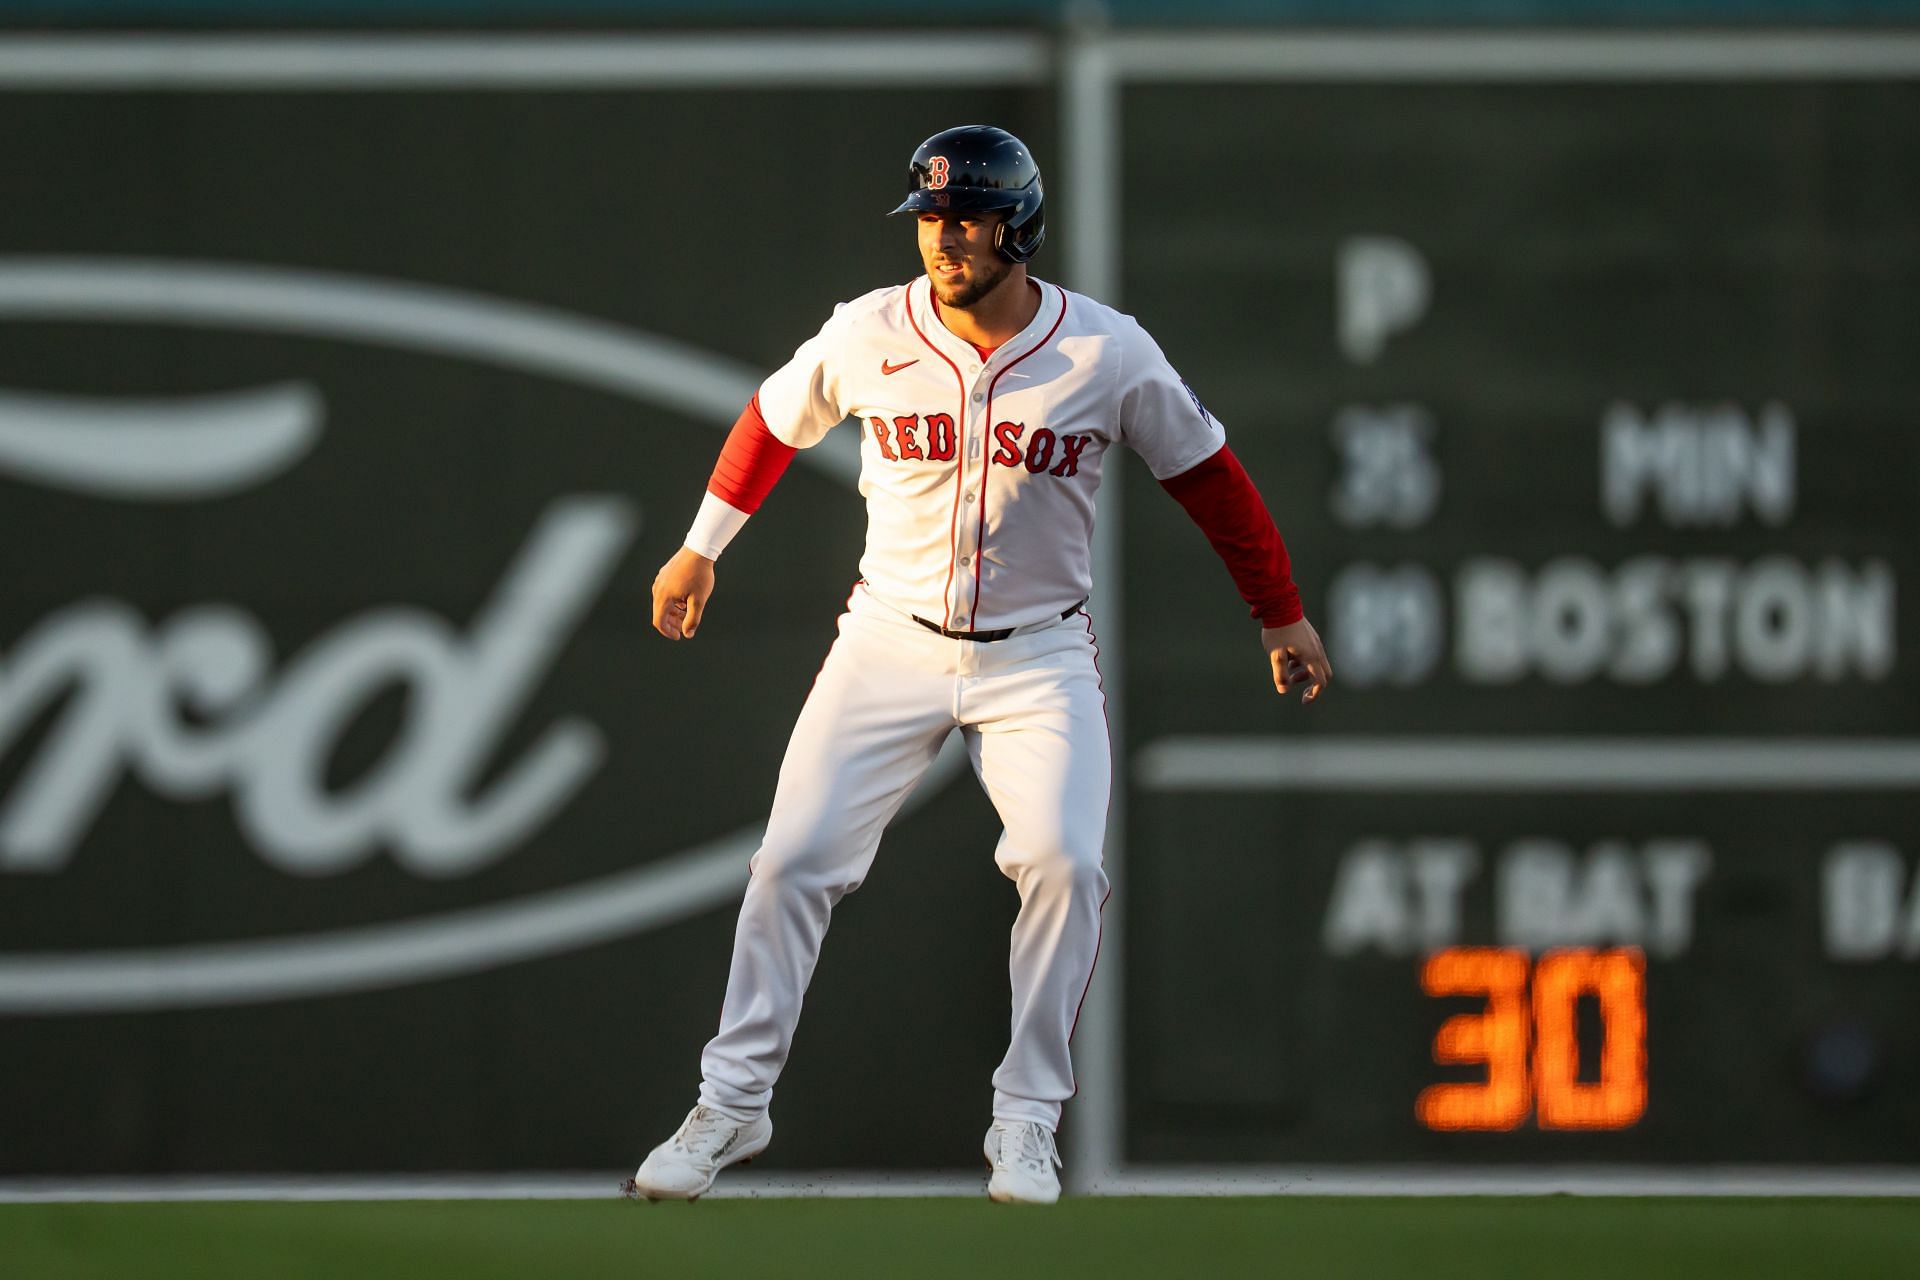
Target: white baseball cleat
(685,1165)
(1023,1158)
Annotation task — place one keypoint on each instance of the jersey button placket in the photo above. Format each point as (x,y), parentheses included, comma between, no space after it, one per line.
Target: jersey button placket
(964,549)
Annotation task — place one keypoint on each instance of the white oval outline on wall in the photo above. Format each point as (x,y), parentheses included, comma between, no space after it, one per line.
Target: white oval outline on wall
(157,449)
(443,321)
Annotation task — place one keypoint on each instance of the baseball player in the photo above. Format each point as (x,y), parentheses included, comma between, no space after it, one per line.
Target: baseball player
(987,401)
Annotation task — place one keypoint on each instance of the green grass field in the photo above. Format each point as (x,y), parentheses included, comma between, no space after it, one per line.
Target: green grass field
(1109,1239)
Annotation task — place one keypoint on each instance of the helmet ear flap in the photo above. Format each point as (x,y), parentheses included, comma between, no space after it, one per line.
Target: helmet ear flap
(1019,244)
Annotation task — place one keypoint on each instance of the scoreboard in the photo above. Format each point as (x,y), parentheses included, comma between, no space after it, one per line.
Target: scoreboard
(1588,412)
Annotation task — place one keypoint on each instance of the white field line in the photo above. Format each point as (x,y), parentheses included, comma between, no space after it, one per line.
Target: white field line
(1222,764)
(1517,56)
(738,1184)
(1225,1180)
(854,61)
(1514,1180)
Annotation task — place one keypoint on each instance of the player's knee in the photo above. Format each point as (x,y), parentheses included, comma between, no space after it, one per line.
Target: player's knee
(1059,861)
(805,866)
(1083,868)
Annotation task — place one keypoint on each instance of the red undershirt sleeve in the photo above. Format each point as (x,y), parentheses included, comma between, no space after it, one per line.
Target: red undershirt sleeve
(751,462)
(1220,497)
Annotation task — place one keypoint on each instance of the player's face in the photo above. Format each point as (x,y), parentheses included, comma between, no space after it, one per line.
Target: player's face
(959,255)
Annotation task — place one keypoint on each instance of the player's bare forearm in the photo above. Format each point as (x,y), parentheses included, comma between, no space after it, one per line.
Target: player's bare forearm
(680,592)
(1297,658)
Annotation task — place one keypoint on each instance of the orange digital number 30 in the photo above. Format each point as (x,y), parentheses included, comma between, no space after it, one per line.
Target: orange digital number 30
(1500,1035)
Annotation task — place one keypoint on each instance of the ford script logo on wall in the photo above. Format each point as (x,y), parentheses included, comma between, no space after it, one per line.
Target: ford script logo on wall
(204,707)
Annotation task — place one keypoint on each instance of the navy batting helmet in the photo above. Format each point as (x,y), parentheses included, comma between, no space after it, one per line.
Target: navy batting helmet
(975,168)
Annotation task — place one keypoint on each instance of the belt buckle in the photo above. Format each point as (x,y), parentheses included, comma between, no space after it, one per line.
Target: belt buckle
(978,637)
(987,637)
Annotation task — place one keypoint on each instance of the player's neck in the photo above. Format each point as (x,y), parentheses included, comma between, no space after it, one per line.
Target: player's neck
(997,317)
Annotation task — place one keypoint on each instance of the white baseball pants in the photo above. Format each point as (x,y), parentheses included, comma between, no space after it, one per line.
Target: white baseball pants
(1034,720)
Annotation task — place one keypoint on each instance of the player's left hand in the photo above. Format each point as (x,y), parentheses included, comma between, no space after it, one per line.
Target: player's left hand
(680,593)
(1298,658)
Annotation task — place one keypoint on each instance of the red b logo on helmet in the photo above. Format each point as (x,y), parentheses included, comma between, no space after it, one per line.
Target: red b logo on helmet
(936,173)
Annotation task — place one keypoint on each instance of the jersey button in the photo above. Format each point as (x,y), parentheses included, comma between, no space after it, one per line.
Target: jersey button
(979,397)
(965,561)
(969,498)
(960,619)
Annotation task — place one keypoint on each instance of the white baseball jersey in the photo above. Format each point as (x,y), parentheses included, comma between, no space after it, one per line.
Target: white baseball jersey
(979,475)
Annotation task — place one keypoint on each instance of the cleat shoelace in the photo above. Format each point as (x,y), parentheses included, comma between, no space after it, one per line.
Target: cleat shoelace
(702,1135)
(1032,1148)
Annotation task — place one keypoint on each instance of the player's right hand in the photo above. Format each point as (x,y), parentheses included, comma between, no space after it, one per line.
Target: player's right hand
(680,592)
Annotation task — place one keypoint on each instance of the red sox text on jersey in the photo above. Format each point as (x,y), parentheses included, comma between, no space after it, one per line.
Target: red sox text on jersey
(979,473)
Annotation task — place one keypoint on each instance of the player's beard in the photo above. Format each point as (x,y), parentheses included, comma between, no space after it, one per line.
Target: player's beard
(982,280)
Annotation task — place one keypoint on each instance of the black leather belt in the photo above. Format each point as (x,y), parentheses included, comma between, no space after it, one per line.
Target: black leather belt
(985,637)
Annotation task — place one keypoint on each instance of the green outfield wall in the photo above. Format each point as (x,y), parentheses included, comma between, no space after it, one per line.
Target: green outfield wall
(352,819)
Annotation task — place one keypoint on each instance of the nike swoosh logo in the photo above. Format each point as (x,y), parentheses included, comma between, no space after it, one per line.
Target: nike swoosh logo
(886,368)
